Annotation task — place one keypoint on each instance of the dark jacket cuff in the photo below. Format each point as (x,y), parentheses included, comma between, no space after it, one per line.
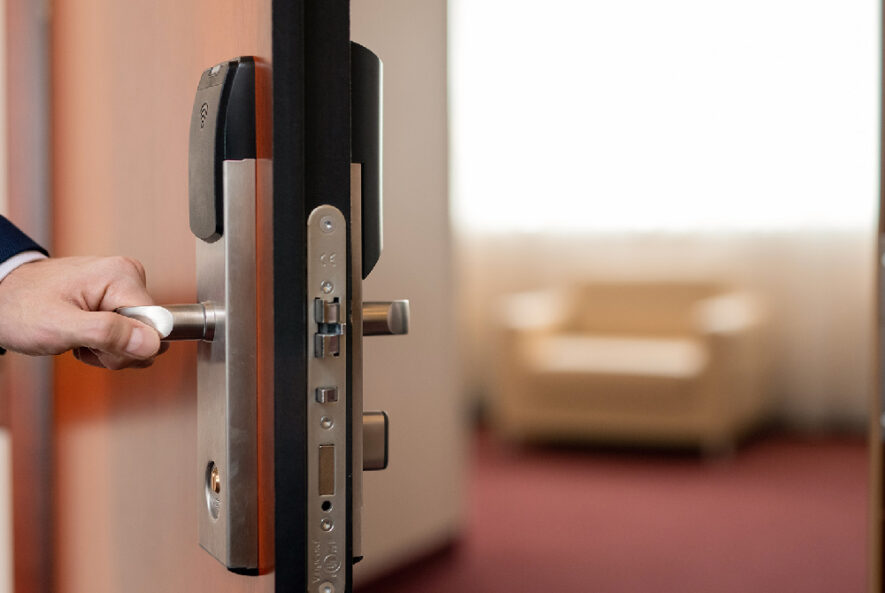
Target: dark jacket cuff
(13,241)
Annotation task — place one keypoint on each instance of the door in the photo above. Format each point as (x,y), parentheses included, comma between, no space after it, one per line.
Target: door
(125,473)
(876,539)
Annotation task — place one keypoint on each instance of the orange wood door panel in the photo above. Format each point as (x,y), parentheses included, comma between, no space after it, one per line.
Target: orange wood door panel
(123,77)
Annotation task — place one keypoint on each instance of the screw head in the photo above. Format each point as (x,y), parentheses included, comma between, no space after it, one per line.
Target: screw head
(327,287)
(326,525)
(327,224)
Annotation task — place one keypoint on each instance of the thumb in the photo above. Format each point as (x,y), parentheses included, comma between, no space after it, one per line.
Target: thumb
(114,334)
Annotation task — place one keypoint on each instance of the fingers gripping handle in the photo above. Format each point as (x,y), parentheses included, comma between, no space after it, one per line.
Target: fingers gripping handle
(177,322)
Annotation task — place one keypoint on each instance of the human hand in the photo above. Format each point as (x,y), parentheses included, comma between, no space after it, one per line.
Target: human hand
(53,305)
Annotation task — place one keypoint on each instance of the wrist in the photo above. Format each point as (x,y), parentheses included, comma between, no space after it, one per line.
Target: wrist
(17,260)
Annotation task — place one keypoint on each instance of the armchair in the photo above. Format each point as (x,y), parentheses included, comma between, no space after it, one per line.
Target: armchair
(630,362)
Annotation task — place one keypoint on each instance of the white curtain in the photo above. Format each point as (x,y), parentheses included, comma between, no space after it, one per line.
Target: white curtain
(736,140)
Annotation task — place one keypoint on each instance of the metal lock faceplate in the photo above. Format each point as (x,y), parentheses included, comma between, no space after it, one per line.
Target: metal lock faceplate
(223,171)
(327,405)
(226,380)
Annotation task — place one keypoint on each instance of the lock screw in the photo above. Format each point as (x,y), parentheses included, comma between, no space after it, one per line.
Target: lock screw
(327,287)
(326,224)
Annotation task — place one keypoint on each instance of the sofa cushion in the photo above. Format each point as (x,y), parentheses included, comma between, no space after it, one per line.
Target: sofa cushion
(657,309)
(665,358)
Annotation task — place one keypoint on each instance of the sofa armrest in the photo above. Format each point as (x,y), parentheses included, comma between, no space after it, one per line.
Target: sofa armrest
(733,325)
(729,313)
(533,311)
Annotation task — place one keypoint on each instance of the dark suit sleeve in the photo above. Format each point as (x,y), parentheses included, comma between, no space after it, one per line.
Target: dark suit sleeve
(13,241)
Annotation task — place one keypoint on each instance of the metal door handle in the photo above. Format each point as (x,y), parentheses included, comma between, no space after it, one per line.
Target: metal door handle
(177,322)
(387,318)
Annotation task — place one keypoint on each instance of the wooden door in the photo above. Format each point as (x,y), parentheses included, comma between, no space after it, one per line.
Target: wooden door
(123,80)
(123,77)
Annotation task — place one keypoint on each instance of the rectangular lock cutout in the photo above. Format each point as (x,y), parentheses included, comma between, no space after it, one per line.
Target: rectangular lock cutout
(326,478)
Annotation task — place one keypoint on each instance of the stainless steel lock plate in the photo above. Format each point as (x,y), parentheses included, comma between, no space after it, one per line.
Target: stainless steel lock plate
(327,399)
(227,446)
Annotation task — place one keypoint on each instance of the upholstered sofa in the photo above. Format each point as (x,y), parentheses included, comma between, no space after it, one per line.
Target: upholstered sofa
(630,362)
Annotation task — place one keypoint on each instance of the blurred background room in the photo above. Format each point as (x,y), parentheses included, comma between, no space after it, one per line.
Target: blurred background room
(648,231)
(638,238)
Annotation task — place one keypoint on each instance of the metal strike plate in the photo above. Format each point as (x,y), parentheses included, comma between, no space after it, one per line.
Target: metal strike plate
(327,418)
(227,445)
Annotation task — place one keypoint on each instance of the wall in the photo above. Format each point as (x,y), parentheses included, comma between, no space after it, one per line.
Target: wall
(416,504)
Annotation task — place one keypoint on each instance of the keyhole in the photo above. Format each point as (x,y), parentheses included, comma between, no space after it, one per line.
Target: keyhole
(215,481)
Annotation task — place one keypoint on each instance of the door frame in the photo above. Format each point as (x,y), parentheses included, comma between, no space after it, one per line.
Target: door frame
(311,151)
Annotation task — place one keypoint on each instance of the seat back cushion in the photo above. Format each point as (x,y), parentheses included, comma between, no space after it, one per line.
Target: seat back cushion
(640,308)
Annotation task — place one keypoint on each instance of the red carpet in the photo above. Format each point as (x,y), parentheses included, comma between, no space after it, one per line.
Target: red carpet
(783,515)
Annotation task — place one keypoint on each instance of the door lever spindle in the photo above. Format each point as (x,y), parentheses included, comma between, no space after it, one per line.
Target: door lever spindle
(177,322)
(387,318)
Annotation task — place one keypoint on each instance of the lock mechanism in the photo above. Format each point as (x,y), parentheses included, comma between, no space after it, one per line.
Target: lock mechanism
(370,428)
(328,402)
(223,172)
(342,438)
(327,315)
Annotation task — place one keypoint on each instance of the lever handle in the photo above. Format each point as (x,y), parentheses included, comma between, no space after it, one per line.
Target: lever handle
(386,318)
(176,322)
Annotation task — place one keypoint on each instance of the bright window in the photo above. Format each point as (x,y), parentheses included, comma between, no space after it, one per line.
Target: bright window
(673,115)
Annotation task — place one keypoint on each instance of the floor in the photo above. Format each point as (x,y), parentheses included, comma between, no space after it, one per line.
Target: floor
(784,514)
